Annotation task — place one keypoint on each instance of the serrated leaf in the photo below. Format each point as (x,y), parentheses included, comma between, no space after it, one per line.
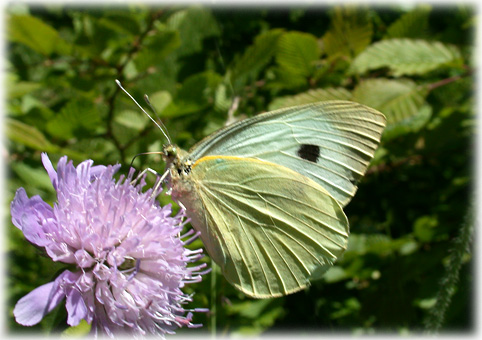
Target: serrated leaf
(196,93)
(405,56)
(311,96)
(408,125)
(36,34)
(156,48)
(193,24)
(254,58)
(75,118)
(297,52)
(397,99)
(350,32)
(281,79)
(410,25)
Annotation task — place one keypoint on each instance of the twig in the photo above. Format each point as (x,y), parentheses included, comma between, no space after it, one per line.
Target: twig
(136,46)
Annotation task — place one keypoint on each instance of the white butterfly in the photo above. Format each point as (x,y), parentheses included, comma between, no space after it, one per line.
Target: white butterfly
(267,193)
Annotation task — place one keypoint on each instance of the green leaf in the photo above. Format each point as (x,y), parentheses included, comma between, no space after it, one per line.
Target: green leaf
(75,118)
(251,309)
(297,52)
(413,24)
(424,228)
(21,88)
(27,135)
(160,100)
(397,99)
(196,93)
(81,330)
(156,48)
(256,56)
(136,120)
(35,177)
(411,124)
(311,96)
(335,274)
(405,56)
(281,79)
(37,35)
(349,306)
(194,25)
(350,32)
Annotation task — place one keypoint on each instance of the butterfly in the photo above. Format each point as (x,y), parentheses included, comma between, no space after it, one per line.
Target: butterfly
(267,193)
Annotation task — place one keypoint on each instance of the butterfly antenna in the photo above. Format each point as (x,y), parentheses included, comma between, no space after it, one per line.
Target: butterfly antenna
(146,98)
(148,115)
(145,153)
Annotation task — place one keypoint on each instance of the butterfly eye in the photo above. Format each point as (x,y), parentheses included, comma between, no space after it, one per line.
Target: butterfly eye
(170,153)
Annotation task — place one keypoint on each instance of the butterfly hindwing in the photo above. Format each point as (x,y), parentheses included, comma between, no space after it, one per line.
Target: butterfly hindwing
(268,227)
(330,142)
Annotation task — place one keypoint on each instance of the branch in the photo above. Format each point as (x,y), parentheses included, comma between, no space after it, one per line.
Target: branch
(136,46)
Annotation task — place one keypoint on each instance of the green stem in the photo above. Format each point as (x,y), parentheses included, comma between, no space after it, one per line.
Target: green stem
(213,311)
(448,284)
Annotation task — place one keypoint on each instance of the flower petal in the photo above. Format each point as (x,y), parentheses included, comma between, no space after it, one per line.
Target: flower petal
(76,308)
(30,216)
(30,309)
(50,169)
(87,170)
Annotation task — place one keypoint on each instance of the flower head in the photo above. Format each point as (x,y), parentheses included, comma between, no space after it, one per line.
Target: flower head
(130,263)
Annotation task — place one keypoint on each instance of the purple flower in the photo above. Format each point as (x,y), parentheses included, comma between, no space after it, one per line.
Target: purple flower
(130,262)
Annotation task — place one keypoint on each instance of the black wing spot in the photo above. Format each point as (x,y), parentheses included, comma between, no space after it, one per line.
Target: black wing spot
(309,152)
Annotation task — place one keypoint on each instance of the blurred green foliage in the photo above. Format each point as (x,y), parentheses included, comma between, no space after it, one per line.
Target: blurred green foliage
(408,264)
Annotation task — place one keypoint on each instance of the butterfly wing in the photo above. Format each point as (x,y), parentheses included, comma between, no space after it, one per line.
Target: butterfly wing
(330,142)
(269,228)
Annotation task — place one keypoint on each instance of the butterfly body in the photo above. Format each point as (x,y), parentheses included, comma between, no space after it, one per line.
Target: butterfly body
(267,193)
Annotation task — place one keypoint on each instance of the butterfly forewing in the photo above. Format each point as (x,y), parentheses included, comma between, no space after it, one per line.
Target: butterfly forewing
(268,227)
(330,142)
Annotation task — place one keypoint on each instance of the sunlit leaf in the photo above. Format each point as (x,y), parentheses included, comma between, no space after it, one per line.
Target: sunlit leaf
(405,56)
(397,99)
(132,119)
(350,32)
(193,24)
(410,124)
(311,96)
(81,330)
(27,135)
(297,52)
(19,89)
(36,34)
(424,228)
(412,24)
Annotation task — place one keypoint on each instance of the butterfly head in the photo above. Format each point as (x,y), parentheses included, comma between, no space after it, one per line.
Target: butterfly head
(177,161)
